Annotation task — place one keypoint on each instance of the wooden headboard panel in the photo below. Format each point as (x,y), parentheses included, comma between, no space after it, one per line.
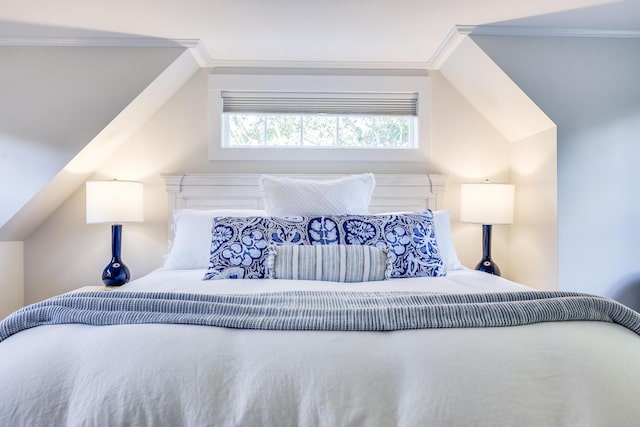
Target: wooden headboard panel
(393,192)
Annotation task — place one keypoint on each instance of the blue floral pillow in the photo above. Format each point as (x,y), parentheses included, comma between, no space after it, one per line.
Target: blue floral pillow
(410,237)
(239,246)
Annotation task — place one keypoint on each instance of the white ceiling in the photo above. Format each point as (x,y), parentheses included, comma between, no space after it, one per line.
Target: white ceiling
(390,32)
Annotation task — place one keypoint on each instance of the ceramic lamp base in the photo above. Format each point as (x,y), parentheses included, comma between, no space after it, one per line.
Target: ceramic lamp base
(116,273)
(486,264)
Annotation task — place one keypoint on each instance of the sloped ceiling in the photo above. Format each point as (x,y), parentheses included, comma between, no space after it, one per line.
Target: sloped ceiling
(70,109)
(493,93)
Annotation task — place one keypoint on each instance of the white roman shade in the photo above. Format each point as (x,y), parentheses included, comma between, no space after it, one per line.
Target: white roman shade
(356,103)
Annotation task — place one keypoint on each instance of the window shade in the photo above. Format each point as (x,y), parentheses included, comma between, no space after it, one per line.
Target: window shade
(384,103)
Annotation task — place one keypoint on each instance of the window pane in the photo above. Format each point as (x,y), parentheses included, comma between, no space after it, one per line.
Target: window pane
(319,131)
(283,130)
(391,132)
(355,131)
(245,130)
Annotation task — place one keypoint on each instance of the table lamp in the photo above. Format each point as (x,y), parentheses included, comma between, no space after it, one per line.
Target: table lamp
(114,202)
(487,204)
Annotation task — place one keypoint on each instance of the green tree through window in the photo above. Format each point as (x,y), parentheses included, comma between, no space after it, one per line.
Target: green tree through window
(321,130)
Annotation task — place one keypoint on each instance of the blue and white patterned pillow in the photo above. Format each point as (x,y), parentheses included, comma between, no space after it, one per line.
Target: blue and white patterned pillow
(239,245)
(239,248)
(410,237)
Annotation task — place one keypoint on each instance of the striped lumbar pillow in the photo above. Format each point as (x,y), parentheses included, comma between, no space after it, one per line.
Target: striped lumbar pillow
(331,263)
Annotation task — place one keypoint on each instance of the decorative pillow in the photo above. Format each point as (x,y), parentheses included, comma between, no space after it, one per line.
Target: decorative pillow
(192,236)
(239,245)
(410,237)
(333,263)
(289,196)
(239,248)
(442,224)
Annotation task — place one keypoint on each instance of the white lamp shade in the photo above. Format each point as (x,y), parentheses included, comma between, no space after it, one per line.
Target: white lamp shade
(114,201)
(487,203)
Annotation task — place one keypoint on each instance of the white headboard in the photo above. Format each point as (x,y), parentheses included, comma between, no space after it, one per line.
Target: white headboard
(393,192)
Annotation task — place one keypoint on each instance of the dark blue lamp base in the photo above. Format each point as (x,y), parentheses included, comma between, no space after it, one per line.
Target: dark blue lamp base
(116,273)
(486,264)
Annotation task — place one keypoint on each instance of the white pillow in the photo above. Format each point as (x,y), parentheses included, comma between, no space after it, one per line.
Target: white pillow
(442,225)
(191,245)
(349,195)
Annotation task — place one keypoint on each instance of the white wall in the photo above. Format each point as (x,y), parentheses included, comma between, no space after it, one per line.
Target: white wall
(55,101)
(175,140)
(589,88)
(533,251)
(12,282)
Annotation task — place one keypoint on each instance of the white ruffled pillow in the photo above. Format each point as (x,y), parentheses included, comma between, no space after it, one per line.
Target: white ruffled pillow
(349,195)
(191,247)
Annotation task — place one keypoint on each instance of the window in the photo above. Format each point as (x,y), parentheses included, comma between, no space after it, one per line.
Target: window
(271,117)
(308,119)
(335,131)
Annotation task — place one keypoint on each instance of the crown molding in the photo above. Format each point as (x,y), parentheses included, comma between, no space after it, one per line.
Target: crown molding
(98,42)
(442,53)
(449,44)
(201,54)
(195,46)
(526,31)
(459,32)
(379,65)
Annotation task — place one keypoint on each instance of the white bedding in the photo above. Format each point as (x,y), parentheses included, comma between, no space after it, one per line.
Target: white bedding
(460,281)
(551,374)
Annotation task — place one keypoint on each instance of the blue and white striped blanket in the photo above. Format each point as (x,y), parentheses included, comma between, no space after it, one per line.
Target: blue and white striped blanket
(334,311)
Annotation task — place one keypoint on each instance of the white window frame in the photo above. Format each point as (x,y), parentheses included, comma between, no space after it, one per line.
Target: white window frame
(318,83)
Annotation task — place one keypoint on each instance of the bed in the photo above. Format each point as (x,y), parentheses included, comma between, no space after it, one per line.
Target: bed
(252,372)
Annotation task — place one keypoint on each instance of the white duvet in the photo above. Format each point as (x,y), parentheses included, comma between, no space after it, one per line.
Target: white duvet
(551,374)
